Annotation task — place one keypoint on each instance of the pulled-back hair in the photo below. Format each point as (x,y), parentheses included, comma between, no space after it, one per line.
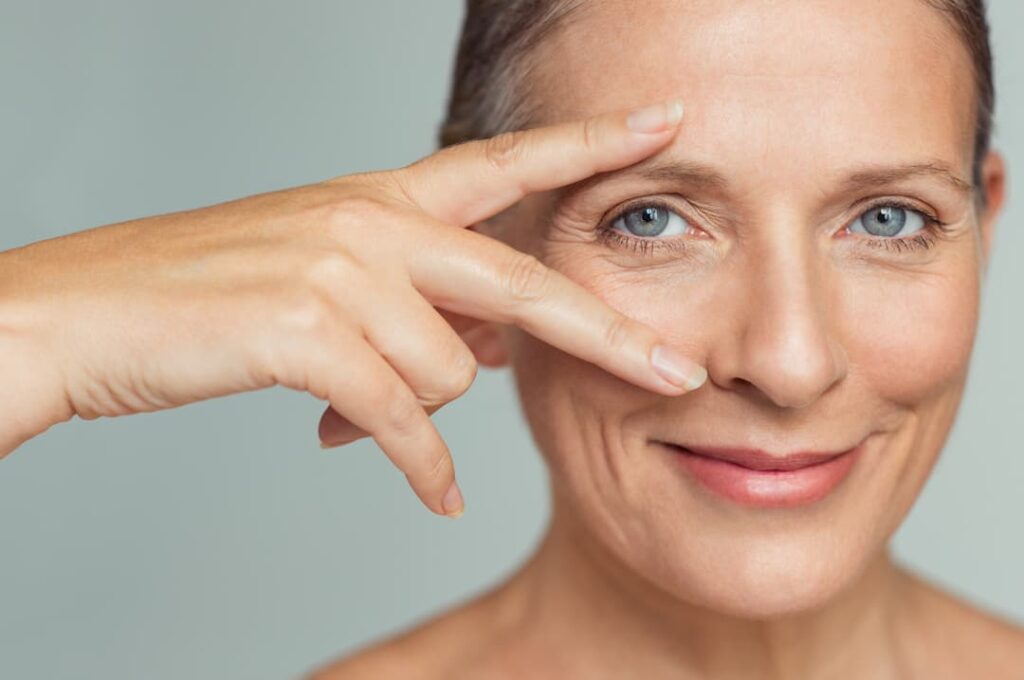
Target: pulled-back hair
(490,92)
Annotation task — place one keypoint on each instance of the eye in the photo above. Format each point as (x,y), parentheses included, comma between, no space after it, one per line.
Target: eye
(889,220)
(650,219)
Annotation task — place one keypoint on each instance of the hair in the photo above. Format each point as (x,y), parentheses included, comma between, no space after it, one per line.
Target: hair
(490,86)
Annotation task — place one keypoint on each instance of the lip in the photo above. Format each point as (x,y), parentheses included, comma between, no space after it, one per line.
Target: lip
(759,479)
(756,459)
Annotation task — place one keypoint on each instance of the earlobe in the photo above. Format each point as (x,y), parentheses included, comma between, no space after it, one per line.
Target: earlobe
(993,180)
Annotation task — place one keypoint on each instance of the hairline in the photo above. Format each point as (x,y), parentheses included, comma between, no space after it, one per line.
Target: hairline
(513,104)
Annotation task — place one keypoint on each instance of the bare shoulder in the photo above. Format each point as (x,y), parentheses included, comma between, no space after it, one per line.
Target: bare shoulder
(420,652)
(392,657)
(441,646)
(975,640)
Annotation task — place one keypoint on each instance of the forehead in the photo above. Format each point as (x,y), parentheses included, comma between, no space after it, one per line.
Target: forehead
(771,79)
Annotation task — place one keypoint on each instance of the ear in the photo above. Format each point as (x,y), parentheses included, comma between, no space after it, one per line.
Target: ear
(993,184)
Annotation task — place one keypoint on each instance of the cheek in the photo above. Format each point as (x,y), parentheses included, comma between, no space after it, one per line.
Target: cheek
(911,336)
(545,373)
(578,413)
(581,415)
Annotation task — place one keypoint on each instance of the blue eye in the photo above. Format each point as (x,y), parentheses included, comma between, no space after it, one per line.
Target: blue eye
(651,220)
(889,220)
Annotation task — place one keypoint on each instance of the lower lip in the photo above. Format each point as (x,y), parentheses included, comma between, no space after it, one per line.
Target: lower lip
(768,488)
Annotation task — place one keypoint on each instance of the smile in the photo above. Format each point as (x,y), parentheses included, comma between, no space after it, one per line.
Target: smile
(758,479)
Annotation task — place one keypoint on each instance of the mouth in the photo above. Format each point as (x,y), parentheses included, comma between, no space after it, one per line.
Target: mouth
(759,479)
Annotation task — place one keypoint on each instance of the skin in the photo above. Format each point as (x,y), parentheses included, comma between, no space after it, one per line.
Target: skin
(641,574)
(285,289)
(812,337)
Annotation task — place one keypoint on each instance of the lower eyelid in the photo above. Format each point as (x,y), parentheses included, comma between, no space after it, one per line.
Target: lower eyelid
(638,244)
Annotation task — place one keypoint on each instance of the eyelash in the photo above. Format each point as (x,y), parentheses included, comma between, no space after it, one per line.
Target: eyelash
(921,240)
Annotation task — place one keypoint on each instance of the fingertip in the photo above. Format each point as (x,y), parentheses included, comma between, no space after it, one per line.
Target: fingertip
(675,368)
(657,118)
(453,503)
(699,377)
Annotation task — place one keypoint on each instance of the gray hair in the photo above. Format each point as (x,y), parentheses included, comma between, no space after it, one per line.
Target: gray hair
(489,85)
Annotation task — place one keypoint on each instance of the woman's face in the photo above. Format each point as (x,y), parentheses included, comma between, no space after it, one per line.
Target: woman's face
(825,318)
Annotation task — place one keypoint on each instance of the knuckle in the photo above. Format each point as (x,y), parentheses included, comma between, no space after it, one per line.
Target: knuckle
(330,271)
(314,303)
(457,377)
(353,219)
(401,412)
(349,212)
(504,150)
(401,181)
(618,333)
(526,279)
(464,374)
(308,314)
(588,131)
(440,467)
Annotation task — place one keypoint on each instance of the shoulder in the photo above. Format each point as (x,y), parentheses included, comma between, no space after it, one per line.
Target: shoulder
(416,653)
(444,646)
(976,642)
(393,657)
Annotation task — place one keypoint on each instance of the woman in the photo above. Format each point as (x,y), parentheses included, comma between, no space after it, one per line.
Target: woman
(740,333)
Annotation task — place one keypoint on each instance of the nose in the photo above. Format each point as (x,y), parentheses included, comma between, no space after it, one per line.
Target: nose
(780,338)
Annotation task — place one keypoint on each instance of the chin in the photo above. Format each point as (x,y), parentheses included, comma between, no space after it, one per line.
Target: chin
(702,550)
(748,578)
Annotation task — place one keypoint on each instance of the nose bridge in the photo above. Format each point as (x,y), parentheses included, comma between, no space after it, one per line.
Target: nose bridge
(786,343)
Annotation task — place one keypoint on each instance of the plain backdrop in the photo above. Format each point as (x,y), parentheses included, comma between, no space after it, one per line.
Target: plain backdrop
(218,540)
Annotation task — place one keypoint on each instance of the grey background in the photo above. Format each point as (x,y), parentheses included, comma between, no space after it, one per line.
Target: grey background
(218,540)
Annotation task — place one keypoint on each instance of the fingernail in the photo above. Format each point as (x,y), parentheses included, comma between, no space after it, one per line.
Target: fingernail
(677,369)
(657,118)
(325,445)
(452,503)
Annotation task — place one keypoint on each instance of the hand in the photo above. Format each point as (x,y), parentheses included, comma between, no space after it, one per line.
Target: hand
(354,289)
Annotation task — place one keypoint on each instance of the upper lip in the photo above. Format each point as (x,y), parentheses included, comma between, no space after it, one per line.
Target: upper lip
(757,459)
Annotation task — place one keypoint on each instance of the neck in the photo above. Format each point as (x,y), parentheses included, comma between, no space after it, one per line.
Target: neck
(576,601)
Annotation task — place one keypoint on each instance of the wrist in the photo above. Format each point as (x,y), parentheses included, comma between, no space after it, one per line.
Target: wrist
(31,393)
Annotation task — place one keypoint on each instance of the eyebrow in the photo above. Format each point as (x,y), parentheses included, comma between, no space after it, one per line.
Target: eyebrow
(880,175)
(702,176)
(680,171)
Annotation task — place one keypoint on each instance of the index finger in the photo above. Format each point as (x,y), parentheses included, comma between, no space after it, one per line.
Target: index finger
(470,182)
(474,275)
